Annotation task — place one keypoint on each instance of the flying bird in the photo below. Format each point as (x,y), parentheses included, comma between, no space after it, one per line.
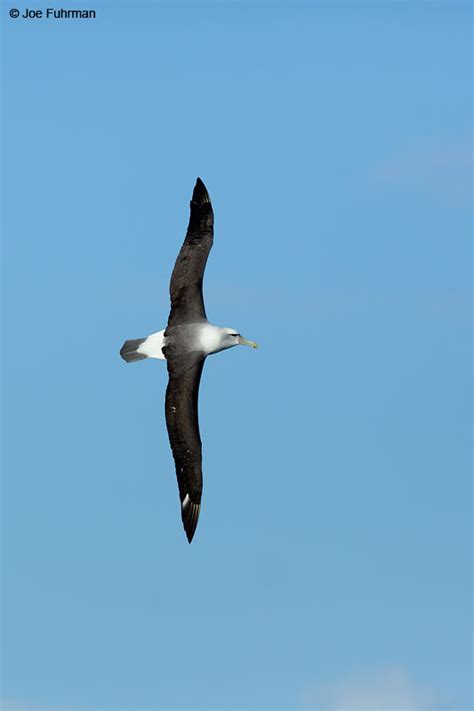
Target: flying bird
(185,344)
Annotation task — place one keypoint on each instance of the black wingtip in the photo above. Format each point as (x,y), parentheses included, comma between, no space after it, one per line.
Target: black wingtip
(190,517)
(200,194)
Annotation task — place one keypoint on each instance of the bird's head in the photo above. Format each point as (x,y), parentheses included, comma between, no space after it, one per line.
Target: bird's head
(234,338)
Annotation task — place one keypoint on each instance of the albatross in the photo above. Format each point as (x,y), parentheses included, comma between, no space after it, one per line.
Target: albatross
(185,344)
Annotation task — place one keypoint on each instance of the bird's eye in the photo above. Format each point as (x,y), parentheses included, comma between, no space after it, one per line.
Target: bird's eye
(235,334)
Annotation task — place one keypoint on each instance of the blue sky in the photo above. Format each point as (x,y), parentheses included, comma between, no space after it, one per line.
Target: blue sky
(331,568)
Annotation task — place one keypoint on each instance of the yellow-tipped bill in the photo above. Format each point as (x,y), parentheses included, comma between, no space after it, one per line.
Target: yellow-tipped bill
(243,342)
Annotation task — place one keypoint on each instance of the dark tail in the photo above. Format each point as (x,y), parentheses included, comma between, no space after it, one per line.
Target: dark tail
(129,350)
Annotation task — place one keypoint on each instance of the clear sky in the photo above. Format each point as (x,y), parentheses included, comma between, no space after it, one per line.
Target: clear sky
(331,565)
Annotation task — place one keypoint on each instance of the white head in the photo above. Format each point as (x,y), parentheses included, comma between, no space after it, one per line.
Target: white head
(230,337)
(212,339)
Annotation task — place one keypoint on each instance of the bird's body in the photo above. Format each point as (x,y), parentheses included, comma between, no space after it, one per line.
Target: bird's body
(185,343)
(185,338)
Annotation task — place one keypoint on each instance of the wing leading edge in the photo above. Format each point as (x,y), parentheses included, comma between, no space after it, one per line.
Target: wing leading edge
(181,409)
(187,303)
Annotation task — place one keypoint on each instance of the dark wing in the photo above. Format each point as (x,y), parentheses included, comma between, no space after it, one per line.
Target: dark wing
(183,429)
(187,303)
